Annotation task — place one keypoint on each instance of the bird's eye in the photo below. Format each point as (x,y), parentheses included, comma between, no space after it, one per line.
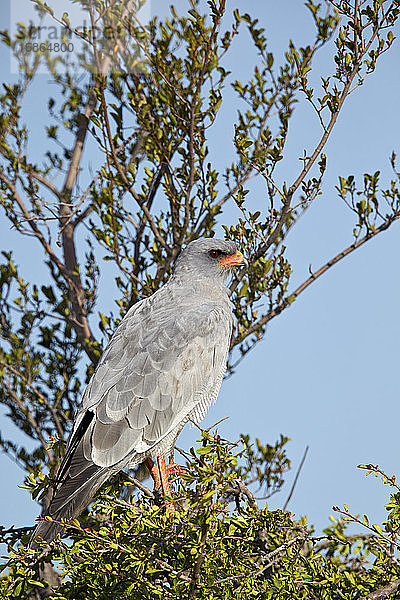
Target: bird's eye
(215,253)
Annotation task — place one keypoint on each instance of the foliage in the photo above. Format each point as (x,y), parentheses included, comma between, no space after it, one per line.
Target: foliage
(145,113)
(129,547)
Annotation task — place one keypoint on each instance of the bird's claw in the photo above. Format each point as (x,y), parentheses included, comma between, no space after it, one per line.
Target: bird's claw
(160,472)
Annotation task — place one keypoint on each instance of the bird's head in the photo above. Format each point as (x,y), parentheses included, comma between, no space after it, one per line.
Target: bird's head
(209,258)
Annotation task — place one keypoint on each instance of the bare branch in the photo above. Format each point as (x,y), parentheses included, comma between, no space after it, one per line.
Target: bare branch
(41,179)
(296,478)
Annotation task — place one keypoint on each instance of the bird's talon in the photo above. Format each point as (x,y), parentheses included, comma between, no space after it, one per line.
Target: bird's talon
(160,472)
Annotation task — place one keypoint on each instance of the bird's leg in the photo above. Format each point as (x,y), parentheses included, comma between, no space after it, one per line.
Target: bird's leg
(160,474)
(154,473)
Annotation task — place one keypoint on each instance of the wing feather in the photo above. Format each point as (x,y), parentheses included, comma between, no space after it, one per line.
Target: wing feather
(162,363)
(140,414)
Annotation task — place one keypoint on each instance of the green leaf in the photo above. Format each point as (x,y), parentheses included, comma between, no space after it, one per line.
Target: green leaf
(204,450)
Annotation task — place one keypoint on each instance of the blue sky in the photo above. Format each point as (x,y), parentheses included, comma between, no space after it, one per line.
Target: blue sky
(326,374)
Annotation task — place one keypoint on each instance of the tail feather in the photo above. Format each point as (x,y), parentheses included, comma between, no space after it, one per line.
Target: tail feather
(77,481)
(69,502)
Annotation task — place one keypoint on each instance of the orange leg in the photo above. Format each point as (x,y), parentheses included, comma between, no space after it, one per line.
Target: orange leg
(154,473)
(160,473)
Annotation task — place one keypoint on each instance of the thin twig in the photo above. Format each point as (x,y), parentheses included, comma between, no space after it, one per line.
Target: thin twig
(32,422)
(139,485)
(126,181)
(288,300)
(275,553)
(263,248)
(43,398)
(296,478)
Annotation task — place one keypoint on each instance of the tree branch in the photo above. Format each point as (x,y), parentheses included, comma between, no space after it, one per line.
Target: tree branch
(33,225)
(43,398)
(80,320)
(199,560)
(313,277)
(296,478)
(126,181)
(41,179)
(384,591)
(311,160)
(32,422)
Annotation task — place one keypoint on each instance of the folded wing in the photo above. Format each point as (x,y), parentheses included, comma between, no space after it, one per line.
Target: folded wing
(157,368)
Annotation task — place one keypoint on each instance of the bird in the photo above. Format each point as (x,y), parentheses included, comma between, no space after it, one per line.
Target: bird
(162,367)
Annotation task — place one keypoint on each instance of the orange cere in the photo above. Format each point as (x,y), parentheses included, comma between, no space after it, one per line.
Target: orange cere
(232,260)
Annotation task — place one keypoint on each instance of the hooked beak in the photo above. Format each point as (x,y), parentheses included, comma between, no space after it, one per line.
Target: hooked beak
(233,260)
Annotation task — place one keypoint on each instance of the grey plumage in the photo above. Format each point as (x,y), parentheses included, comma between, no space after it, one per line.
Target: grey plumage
(164,365)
